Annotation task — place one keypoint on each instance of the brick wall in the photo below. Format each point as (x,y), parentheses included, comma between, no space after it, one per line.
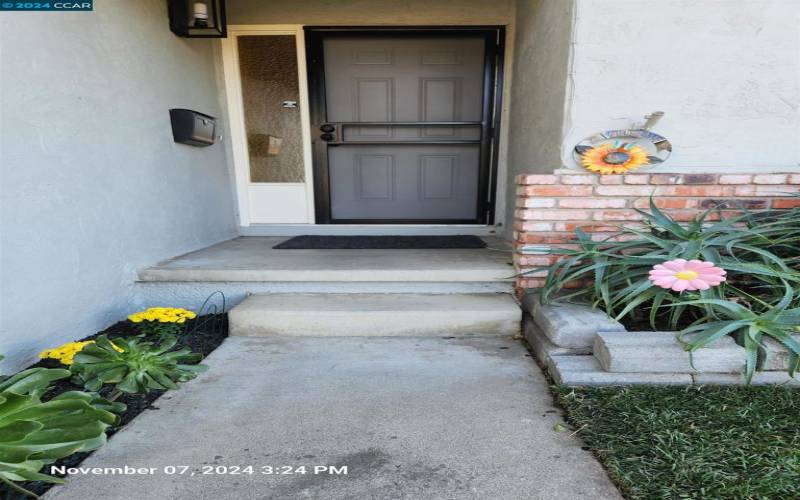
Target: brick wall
(551,207)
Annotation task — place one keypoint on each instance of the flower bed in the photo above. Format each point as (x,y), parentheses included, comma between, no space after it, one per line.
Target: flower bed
(707,279)
(196,337)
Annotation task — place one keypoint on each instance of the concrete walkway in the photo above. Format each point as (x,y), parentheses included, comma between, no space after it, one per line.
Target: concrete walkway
(410,418)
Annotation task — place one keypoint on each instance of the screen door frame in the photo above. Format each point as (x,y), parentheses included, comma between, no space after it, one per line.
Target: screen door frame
(494,38)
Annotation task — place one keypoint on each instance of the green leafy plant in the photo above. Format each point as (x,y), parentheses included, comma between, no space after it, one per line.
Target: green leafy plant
(34,381)
(759,252)
(138,367)
(35,433)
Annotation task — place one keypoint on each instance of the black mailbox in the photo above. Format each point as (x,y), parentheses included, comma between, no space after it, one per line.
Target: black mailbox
(192,128)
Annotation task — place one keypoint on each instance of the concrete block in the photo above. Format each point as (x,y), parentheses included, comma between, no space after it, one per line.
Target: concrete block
(585,370)
(774,355)
(661,352)
(569,325)
(375,315)
(759,378)
(542,348)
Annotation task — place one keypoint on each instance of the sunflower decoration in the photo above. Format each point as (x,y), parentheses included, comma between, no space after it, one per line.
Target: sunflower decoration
(614,158)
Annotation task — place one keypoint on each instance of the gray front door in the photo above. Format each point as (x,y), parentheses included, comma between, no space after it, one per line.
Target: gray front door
(404,127)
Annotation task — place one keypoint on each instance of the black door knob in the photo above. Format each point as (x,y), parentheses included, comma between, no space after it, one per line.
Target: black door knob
(327,128)
(326,137)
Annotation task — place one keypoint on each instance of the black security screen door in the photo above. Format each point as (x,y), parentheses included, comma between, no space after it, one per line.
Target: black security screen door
(403,124)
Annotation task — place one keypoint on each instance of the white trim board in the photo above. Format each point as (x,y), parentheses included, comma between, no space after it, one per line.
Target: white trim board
(262,202)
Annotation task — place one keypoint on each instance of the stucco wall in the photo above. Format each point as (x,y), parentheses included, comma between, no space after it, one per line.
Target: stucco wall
(540,69)
(371,12)
(726,72)
(93,186)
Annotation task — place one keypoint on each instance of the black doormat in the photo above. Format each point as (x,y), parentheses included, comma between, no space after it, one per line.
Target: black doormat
(308,242)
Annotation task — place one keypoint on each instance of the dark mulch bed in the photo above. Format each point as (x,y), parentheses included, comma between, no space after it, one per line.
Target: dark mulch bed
(201,335)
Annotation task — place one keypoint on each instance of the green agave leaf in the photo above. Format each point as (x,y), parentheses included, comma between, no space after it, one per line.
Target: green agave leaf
(736,310)
(710,332)
(752,341)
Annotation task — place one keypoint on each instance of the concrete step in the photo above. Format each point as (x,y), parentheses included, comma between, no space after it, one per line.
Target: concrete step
(253,259)
(378,315)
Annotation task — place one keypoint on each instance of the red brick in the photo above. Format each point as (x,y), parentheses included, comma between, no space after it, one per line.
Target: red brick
(529,238)
(536,202)
(530,282)
(616,215)
(592,203)
(636,179)
(694,179)
(624,190)
(666,203)
(525,179)
(770,179)
(786,203)
(748,203)
(533,226)
(735,179)
(558,190)
(577,179)
(766,190)
(610,179)
(694,191)
(585,226)
(534,260)
(547,215)
(664,179)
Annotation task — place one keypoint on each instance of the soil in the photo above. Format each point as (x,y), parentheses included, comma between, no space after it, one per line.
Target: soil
(201,335)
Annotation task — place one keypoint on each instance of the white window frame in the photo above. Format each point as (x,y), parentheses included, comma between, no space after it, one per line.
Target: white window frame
(267,202)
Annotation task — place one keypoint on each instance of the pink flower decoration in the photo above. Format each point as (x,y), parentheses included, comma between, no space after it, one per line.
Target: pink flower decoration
(680,275)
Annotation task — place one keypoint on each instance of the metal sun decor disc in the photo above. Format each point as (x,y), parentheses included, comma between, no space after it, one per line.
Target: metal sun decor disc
(620,151)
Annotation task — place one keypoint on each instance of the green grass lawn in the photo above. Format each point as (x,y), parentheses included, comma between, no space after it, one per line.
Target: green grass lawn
(692,442)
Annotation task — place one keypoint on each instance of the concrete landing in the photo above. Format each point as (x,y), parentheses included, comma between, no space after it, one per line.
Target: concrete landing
(252,259)
(410,418)
(380,315)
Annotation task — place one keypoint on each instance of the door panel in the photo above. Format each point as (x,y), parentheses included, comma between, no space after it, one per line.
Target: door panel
(408,126)
(404,182)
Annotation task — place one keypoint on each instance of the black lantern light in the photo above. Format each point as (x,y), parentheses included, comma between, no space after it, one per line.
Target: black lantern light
(197,18)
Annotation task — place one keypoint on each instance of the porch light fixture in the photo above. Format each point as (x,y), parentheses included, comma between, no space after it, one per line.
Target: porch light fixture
(197,18)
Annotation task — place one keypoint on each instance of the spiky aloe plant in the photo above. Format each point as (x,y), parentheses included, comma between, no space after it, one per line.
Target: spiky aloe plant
(760,252)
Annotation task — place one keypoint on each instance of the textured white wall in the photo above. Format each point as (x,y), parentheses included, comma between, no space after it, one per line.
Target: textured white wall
(540,68)
(93,186)
(725,72)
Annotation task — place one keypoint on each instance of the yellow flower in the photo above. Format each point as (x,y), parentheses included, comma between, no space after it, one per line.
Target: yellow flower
(65,353)
(162,315)
(614,159)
